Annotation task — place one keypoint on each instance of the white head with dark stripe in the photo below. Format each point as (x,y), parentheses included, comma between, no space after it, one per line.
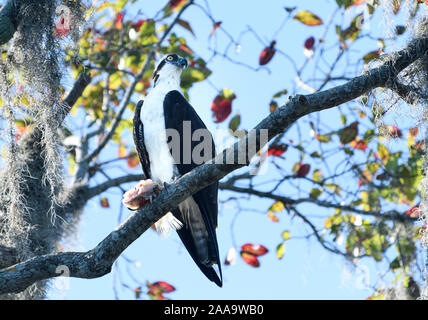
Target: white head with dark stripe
(168,70)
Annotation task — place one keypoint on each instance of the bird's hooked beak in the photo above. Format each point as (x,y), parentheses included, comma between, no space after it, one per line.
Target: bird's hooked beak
(182,62)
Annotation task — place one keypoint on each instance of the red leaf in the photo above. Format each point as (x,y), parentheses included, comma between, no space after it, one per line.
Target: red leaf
(250,259)
(215,27)
(222,105)
(62,27)
(267,54)
(255,249)
(186,49)
(174,4)
(277,150)
(161,286)
(104,203)
(413,212)
(133,160)
(418,145)
(394,131)
(118,21)
(272,217)
(303,170)
(413,132)
(137,25)
(358,144)
(121,152)
(221,109)
(309,43)
(273,106)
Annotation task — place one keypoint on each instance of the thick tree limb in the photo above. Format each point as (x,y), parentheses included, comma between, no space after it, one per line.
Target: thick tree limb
(94,191)
(7,256)
(11,11)
(98,261)
(79,86)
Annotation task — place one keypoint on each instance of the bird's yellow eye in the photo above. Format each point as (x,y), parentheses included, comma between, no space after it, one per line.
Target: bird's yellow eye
(169,58)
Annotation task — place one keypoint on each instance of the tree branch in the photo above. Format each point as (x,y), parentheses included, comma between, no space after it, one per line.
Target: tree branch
(115,182)
(7,256)
(390,215)
(98,261)
(79,86)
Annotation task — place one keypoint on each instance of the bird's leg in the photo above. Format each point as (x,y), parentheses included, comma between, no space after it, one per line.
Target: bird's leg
(141,194)
(165,185)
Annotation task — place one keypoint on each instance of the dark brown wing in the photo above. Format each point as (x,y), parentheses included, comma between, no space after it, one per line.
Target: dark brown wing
(199,212)
(138,134)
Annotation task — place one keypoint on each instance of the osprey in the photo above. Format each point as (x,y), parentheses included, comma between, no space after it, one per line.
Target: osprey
(166,110)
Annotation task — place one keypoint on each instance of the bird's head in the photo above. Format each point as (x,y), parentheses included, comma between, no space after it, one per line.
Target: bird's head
(169,68)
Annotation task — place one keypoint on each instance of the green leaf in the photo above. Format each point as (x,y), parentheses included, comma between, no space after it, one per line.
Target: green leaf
(235,122)
(186,25)
(191,75)
(395,264)
(280,250)
(315,154)
(315,193)
(369,135)
(373,167)
(147,28)
(280,93)
(353,30)
(343,118)
(334,187)
(348,151)
(348,133)
(371,56)
(323,138)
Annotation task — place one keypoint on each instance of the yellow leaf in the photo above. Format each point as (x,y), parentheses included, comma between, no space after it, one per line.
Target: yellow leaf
(277,207)
(308,18)
(104,6)
(286,235)
(280,250)
(383,152)
(115,81)
(273,217)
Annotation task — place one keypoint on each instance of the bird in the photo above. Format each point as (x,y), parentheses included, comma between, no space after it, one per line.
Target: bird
(165,110)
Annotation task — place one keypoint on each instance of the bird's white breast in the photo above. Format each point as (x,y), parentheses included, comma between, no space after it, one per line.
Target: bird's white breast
(161,160)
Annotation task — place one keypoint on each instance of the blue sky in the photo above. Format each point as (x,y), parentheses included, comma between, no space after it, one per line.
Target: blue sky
(307,271)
